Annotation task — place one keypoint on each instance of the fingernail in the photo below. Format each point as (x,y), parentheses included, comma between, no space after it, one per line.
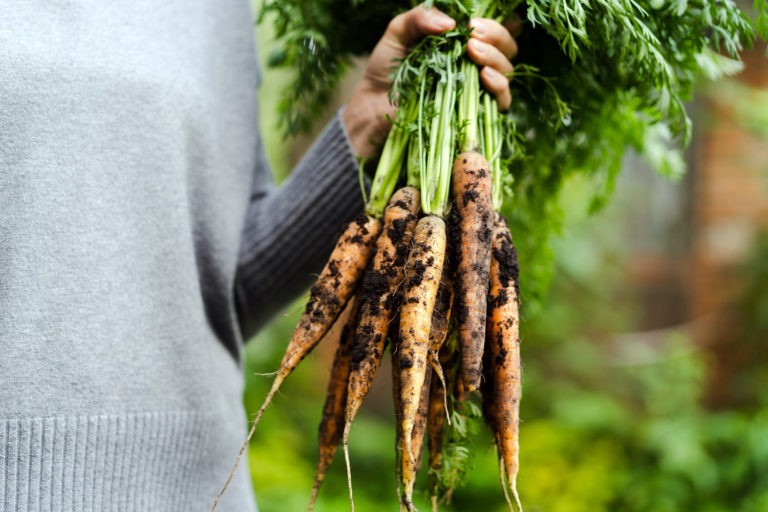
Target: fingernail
(478,27)
(442,21)
(477,46)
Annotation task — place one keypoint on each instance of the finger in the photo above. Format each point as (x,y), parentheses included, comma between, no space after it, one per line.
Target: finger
(498,85)
(408,28)
(495,34)
(514,26)
(483,54)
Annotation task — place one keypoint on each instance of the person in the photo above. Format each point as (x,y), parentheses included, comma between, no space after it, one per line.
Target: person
(142,239)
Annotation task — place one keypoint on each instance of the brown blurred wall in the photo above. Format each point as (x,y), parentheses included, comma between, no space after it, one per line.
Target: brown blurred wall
(729,208)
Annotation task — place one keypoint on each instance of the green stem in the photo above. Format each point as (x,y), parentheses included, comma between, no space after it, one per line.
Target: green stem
(387,172)
(390,165)
(428,172)
(492,144)
(469,100)
(436,178)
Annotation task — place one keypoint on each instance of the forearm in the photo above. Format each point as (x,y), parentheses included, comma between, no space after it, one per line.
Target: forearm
(290,230)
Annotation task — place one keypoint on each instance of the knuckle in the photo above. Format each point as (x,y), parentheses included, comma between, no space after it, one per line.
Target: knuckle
(397,24)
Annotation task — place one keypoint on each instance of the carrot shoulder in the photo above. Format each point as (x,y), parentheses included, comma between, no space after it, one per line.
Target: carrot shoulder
(471,223)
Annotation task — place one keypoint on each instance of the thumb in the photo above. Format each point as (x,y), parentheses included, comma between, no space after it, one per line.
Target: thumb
(404,31)
(409,27)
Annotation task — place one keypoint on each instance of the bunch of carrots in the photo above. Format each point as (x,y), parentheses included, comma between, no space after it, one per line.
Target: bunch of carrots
(430,259)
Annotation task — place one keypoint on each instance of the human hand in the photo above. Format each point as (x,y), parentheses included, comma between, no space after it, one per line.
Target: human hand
(491,46)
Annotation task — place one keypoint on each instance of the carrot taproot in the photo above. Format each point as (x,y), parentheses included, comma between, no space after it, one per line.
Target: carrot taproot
(503,347)
(471,223)
(377,299)
(332,422)
(436,418)
(422,278)
(396,400)
(441,314)
(441,318)
(328,296)
(410,467)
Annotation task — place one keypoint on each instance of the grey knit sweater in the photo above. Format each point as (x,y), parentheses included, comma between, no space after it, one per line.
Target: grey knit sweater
(141,240)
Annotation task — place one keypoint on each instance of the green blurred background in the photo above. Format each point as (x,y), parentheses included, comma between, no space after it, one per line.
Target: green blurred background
(645,366)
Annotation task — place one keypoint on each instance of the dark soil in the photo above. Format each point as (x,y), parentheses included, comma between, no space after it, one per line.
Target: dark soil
(506,256)
(362,221)
(418,275)
(374,286)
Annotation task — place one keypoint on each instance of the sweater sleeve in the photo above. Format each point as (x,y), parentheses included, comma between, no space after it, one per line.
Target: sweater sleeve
(290,230)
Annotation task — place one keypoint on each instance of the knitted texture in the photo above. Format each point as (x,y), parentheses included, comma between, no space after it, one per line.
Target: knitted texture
(133,186)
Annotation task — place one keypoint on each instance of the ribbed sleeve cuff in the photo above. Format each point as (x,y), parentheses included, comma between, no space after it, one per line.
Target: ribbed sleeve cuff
(290,232)
(169,461)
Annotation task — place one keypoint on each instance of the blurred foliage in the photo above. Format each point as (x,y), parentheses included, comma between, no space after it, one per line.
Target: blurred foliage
(749,104)
(610,422)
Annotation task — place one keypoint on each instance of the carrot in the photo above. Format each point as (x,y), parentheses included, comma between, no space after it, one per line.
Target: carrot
(330,430)
(441,318)
(471,238)
(395,352)
(441,314)
(410,467)
(421,282)
(503,346)
(327,298)
(436,417)
(377,302)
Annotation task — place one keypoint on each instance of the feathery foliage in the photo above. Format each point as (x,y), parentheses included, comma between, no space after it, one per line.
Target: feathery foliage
(592,78)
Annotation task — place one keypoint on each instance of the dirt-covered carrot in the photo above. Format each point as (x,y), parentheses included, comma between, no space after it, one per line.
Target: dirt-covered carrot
(422,279)
(395,351)
(377,298)
(436,417)
(327,299)
(425,263)
(377,294)
(332,422)
(410,468)
(503,347)
(441,314)
(441,318)
(471,223)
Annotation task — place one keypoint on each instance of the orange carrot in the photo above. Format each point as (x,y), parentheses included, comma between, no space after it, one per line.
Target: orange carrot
(503,347)
(436,416)
(377,294)
(422,278)
(395,352)
(441,318)
(378,302)
(410,468)
(327,298)
(471,223)
(331,424)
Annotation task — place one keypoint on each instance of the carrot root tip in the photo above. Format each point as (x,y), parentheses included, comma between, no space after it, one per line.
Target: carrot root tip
(349,468)
(517,499)
(275,386)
